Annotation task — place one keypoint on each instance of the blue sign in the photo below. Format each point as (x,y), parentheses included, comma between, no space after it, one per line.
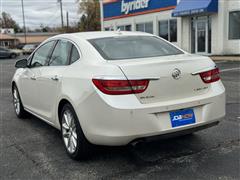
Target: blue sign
(124,8)
(182,117)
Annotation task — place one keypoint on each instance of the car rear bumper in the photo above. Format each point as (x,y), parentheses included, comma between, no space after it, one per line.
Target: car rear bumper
(107,124)
(175,134)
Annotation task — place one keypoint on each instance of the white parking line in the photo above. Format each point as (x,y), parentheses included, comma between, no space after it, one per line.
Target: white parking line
(231,69)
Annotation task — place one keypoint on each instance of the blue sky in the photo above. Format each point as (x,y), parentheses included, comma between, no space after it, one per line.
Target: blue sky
(46,12)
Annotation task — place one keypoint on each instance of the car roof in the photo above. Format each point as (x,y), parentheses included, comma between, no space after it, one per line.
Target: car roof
(102,34)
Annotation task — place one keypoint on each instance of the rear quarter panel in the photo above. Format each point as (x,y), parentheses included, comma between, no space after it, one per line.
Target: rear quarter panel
(77,86)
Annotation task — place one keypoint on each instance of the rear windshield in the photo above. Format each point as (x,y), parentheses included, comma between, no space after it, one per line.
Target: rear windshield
(131,47)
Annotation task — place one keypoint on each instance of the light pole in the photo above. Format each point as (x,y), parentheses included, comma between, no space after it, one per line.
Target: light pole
(67,20)
(24,25)
(60,2)
(101,14)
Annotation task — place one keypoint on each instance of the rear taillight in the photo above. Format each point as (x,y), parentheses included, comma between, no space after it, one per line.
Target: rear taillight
(210,76)
(120,87)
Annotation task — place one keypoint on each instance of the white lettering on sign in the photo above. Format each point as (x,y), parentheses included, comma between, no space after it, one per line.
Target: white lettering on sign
(178,117)
(133,5)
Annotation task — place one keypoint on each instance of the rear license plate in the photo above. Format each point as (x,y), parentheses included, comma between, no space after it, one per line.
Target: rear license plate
(182,117)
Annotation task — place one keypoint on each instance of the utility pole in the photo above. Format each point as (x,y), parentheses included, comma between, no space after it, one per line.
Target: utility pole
(67,20)
(60,2)
(24,25)
(101,14)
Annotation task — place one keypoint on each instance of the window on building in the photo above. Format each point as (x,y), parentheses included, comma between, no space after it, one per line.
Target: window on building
(149,28)
(145,27)
(109,28)
(168,30)
(234,25)
(173,30)
(140,27)
(128,28)
(121,28)
(125,28)
(163,29)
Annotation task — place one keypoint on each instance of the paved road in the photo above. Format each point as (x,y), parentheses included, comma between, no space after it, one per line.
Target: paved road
(31,149)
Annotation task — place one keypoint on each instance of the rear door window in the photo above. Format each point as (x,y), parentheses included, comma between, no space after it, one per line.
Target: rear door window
(74,54)
(60,55)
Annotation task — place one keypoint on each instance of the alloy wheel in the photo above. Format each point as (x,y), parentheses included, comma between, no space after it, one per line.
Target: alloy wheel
(16,101)
(69,131)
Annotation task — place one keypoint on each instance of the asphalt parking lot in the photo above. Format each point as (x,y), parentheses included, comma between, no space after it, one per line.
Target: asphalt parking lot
(31,149)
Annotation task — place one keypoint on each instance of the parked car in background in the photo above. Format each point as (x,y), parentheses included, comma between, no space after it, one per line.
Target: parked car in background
(7,53)
(20,46)
(116,88)
(29,48)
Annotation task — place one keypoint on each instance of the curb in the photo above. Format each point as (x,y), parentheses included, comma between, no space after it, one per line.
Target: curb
(225,58)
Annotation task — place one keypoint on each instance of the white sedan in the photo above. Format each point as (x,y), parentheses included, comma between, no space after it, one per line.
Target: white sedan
(117,88)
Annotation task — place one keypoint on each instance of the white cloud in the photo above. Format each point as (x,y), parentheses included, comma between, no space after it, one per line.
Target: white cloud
(46,12)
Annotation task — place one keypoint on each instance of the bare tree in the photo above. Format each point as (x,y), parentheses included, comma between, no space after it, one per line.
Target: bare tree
(90,10)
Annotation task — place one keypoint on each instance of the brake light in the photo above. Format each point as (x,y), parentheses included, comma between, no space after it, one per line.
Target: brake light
(210,76)
(120,87)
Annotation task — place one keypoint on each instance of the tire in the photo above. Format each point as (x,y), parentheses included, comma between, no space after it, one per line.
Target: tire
(75,142)
(13,56)
(17,104)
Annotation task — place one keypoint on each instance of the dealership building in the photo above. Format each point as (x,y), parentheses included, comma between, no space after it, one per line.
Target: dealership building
(208,27)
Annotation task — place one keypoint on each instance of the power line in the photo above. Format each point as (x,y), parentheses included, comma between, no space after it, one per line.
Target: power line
(46,8)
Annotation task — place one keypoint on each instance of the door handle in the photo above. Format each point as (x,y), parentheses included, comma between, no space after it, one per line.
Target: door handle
(55,78)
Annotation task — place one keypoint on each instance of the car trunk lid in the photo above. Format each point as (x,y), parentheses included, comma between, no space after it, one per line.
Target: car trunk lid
(165,84)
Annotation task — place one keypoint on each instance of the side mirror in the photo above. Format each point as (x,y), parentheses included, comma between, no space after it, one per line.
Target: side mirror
(23,63)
